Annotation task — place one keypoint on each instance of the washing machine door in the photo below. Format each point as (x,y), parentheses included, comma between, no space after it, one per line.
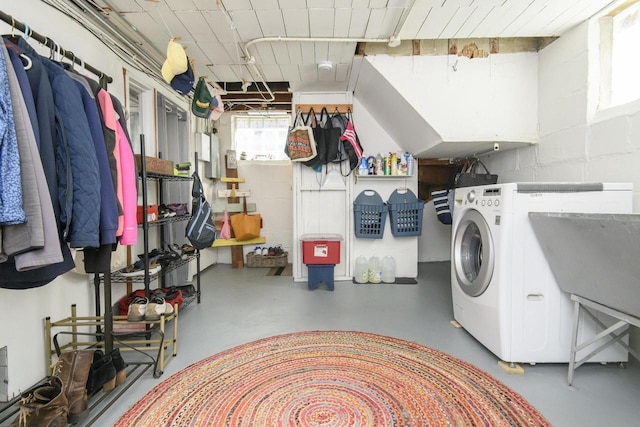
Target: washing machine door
(473,253)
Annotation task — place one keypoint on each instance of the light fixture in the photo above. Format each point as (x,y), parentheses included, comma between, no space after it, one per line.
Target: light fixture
(394,41)
(325,66)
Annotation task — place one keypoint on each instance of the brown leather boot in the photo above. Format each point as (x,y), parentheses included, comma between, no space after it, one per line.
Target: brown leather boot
(43,406)
(72,368)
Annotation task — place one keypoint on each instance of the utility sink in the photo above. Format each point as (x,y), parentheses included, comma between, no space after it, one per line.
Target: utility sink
(595,256)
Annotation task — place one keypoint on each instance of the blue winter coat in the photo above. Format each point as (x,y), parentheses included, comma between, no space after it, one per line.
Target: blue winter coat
(78,176)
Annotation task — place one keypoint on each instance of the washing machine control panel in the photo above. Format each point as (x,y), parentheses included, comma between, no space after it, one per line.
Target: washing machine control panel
(490,197)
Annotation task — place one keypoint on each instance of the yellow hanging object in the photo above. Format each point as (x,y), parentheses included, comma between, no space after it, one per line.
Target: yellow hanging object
(233,191)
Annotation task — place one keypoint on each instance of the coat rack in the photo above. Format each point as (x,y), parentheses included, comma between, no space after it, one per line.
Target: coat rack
(331,108)
(24,28)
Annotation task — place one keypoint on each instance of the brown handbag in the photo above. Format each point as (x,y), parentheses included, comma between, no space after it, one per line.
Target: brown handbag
(245,227)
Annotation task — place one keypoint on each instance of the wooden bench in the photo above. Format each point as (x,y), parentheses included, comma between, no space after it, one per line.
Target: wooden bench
(237,254)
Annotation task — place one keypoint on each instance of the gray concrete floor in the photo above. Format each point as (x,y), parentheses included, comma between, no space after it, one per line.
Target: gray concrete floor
(243,305)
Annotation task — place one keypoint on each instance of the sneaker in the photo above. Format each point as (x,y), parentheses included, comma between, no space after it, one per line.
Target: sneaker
(156,308)
(257,250)
(137,309)
(165,212)
(137,269)
(265,251)
(178,208)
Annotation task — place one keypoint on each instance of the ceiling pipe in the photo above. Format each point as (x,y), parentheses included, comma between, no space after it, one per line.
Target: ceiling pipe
(251,60)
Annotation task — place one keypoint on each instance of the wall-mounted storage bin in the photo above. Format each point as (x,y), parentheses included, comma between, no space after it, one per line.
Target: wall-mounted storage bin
(405,213)
(370,215)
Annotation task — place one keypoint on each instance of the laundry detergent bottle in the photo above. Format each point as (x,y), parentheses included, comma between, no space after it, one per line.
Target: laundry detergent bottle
(375,270)
(361,273)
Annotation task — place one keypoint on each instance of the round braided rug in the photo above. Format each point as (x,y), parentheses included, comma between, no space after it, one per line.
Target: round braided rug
(331,379)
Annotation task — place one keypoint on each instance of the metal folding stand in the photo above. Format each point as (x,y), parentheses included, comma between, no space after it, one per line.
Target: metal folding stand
(613,333)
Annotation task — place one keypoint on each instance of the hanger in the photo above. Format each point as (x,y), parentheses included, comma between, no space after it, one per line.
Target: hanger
(29,63)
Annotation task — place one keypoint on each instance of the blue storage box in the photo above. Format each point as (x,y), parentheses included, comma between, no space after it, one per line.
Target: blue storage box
(320,273)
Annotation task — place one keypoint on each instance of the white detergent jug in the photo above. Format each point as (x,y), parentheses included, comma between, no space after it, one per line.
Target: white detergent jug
(361,273)
(375,270)
(388,269)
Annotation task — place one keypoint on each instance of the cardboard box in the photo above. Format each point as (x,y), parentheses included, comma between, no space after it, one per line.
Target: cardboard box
(152,213)
(321,249)
(155,165)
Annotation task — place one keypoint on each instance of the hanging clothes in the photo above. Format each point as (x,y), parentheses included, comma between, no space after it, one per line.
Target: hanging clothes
(29,235)
(50,253)
(45,115)
(11,211)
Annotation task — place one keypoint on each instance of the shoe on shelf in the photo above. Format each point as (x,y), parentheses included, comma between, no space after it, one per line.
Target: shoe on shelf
(137,309)
(165,212)
(187,249)
(265,251)
(137,269)
(156,308)
(277,250)
(272,252)
(178,208)
(257,250)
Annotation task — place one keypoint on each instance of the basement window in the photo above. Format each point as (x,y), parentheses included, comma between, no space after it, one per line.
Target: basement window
(620,33)
(260,138)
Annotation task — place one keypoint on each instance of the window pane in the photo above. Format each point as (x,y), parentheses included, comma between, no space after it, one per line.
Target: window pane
(625,67)
(260,138)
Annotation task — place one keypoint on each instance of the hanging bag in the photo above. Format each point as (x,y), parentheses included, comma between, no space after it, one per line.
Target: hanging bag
(200,229)
(351,145)
(339,122)
(300,145)
(320,137)
(473,177)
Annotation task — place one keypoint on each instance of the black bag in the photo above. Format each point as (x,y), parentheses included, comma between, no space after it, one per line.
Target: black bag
(472,177)
(200,230)
(338,121)
(326,136)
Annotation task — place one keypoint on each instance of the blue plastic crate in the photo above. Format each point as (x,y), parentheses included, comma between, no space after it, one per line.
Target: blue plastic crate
(405,213)
(370,215)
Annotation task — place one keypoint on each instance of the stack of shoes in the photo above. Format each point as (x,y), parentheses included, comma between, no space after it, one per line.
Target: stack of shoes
(179,208)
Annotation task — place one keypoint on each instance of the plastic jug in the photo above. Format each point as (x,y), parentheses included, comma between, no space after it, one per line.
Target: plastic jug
(361,273)
(375,270)
(388,269)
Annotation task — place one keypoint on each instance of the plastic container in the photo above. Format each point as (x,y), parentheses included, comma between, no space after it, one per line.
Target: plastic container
(388,269)
(321,248)
(370,214)
(361,272)
(375,270)
(405,213)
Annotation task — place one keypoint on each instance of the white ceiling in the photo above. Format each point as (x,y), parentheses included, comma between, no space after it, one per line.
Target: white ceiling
(215,32)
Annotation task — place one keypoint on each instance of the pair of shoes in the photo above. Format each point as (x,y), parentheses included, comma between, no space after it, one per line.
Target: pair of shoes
(137,269)
(107,371)
(261,251)
(164,212)
(44,405)
(178,208)
(277,250)
(142,308)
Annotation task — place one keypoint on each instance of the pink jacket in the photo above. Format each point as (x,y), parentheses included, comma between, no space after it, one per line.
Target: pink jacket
(109,115)
(129,191)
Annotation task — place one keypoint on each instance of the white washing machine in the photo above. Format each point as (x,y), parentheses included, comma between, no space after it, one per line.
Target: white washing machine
(504,293)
